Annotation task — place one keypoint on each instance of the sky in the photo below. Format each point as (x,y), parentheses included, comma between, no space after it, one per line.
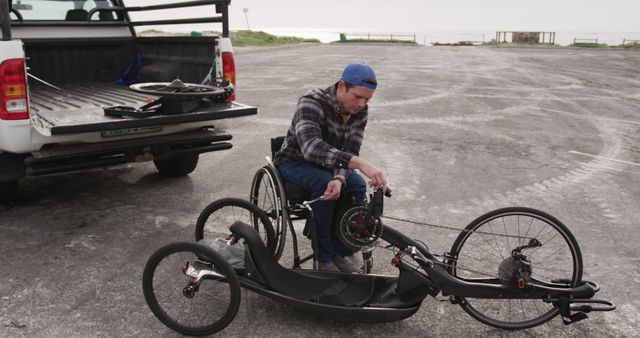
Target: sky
(424,15)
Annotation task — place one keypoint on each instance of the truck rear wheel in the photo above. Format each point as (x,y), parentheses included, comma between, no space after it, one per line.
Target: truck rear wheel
(177,166)
(8,190)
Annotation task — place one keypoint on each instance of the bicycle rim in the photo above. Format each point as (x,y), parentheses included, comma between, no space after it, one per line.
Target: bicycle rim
(481,255)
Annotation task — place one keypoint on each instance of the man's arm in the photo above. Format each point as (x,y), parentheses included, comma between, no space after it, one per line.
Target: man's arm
(375,175)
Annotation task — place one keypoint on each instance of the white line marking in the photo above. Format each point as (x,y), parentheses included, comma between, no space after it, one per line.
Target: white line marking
(604,158)
(585,116)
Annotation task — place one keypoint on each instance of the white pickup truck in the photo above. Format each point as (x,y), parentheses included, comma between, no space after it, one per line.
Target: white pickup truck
(63,62)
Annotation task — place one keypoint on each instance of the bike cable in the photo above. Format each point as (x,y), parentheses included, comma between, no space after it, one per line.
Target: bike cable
(442,262)
(452,228)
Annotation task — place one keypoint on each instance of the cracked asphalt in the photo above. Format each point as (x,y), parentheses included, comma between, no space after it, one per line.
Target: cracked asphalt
(459,131)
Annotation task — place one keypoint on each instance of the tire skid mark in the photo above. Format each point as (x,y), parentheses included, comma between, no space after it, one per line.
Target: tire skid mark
(454,119)
(588,177)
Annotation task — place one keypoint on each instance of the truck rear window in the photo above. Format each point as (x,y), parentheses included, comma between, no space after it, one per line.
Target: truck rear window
(64,10)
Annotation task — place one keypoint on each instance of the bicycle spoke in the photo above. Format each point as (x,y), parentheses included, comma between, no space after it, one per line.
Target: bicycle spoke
(497,249)
(505,232)
(495,239)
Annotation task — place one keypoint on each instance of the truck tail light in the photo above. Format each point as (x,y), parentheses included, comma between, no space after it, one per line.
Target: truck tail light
(13,90)
(229,70)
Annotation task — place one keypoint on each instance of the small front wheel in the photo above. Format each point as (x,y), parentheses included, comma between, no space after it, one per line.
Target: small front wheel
(485,250)
(191,289)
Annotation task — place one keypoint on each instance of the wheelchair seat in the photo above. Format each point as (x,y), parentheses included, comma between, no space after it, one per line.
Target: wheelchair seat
(295,193)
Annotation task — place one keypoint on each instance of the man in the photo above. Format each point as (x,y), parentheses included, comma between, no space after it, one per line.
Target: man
(321,150)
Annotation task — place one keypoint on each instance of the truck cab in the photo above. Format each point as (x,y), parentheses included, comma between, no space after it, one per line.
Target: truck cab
(65,64)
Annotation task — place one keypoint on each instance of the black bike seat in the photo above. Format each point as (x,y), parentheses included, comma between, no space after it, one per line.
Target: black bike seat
(278,278)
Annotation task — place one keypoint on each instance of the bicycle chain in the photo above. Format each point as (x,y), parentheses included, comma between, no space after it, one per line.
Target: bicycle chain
(440,263)
(452,228)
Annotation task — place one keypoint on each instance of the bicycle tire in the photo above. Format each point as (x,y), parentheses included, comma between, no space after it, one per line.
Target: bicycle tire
(164,267)
(176,88)
(558,249)
(215,219)
(266,193)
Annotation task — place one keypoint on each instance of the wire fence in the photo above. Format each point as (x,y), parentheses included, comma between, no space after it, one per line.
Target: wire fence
(344,37)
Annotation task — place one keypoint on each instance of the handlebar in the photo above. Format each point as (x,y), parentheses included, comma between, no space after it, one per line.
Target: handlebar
(388,192)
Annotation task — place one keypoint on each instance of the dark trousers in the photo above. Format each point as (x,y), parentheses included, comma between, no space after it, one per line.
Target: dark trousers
(314,179)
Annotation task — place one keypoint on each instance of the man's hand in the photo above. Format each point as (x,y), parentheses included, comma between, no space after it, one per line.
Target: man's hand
(333,190)
(375,175)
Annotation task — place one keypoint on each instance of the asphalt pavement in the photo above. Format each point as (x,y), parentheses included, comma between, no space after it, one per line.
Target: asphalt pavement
(458,131)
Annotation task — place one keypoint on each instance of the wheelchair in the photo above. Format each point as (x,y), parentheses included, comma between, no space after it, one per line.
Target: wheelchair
(284,203)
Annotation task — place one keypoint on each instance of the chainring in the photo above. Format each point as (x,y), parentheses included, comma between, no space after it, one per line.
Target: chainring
(357,229)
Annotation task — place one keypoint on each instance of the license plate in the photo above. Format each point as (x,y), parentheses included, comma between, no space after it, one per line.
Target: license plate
(130,131)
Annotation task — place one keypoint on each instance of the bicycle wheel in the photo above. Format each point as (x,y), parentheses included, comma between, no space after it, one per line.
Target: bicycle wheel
(266,195)
(182,302)
(483,250)
(176,88)
(215,219)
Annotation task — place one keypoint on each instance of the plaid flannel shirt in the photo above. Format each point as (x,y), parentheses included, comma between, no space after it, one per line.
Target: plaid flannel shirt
(319,135)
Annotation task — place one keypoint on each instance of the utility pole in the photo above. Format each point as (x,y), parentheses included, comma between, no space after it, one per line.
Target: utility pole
(245,10)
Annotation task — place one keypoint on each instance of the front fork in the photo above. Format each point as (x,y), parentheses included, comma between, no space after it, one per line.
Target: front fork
(196,273)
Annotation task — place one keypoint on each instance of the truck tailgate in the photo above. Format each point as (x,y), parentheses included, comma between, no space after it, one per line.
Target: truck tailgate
(80,109)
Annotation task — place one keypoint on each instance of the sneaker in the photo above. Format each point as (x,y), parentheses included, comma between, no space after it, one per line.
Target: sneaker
(355,259)
(345,264)
(328,266)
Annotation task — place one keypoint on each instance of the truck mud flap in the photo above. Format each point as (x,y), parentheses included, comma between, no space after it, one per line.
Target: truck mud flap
(96,155)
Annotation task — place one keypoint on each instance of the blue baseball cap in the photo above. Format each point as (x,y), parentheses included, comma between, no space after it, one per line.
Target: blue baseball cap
(359,74)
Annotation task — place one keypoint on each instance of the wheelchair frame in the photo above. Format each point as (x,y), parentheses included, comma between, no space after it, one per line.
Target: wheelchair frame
(284,210)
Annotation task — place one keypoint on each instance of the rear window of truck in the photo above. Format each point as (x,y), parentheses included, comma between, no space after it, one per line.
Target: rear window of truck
(65,10)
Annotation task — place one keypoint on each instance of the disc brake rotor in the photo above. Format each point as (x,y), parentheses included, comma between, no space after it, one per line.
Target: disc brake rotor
(357,229)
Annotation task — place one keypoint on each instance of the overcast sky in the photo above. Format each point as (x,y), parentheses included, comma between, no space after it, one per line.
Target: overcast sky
(422,15)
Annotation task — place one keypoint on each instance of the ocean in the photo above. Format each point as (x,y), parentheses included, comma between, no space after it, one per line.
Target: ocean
(563,38)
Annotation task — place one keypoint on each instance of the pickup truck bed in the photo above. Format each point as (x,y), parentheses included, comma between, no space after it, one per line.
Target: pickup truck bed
(80,108)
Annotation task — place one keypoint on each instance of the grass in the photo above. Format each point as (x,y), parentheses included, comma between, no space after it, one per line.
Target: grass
(631,46)
(259,38)
(238,38)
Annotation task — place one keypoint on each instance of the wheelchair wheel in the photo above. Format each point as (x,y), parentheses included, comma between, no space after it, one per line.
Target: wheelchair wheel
(181,301)
(483,250)
(266,194)
(215,219)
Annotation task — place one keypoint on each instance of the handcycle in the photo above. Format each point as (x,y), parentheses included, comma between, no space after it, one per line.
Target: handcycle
(512,268)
